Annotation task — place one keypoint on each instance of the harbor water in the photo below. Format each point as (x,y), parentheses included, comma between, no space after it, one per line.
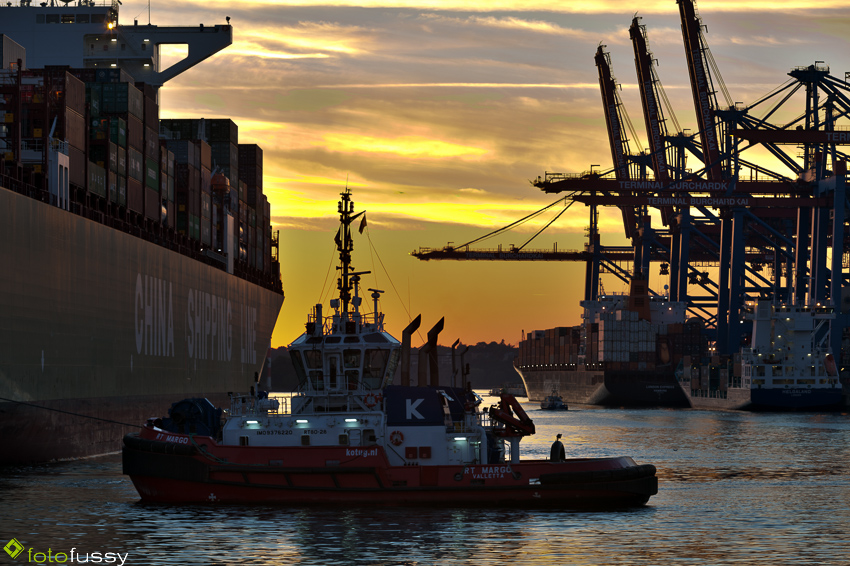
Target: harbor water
(734,488)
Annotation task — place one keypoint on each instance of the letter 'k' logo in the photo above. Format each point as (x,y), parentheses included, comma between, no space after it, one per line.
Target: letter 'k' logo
(410,408)
(13,548)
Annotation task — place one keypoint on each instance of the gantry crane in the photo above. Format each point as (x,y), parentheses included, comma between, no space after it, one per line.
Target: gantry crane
(722,218)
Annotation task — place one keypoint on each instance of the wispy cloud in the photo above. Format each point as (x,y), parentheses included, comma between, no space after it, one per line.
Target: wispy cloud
(438,113)
(572,7)
(313,36)
(468,85)
(404,146)
(506,23)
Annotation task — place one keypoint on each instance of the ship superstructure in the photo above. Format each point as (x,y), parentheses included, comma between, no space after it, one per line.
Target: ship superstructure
(789,365)
(349,352)
(87,33)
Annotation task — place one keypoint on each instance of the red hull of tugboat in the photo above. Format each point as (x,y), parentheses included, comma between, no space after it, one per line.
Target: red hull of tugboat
(191,469)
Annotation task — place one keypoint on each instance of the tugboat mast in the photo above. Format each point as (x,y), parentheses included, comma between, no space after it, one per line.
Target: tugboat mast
(345,245)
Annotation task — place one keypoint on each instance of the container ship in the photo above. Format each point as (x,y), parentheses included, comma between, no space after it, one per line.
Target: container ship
(625,354)
(787,365)
(139,260)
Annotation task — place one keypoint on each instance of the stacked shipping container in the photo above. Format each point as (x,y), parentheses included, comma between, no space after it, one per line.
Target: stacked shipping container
(47,101)
(116,135)
(121,164)
(251,172)
(622,332)
(191,183)
(242,197)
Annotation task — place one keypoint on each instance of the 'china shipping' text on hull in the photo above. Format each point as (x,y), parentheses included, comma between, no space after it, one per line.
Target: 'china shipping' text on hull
(101,323)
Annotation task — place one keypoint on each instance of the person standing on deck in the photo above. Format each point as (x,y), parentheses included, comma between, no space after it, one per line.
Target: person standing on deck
(557,454)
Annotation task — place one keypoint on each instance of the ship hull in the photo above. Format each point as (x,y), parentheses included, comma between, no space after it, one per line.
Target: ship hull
(606,387)
(797,399)
(101,323)
(767,399)
(65,429)
(733,399)
(197,470)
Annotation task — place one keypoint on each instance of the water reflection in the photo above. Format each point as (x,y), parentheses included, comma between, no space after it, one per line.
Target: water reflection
(734,489)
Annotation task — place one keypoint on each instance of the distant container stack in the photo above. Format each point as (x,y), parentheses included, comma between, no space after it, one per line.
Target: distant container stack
(625,353)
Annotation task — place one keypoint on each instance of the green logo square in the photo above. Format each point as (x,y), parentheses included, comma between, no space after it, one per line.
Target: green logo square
(13,548)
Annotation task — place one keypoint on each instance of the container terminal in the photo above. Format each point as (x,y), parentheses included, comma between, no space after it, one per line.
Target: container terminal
(743,251)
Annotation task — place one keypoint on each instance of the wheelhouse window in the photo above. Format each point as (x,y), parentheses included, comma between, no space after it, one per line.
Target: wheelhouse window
(333,370)
(299,367)
(374,367)
(313,359)
(351,359)
(351,363)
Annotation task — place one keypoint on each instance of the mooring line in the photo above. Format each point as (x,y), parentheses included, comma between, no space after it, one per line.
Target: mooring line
(70,413)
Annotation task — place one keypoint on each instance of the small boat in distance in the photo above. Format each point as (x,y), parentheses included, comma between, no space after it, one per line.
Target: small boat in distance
(348,436)
(515,389)
(553,402)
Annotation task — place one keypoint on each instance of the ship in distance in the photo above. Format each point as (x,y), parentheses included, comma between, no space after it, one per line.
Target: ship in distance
(786,366)
(140,260)
(625,354)
(553,402)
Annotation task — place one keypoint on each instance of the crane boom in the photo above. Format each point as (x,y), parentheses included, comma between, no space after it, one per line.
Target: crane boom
(652,114)
(705,101)
(655,129)
(612,105)
(615,121)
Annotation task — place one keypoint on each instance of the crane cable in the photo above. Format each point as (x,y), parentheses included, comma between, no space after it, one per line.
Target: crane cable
(516,223)
(547,225)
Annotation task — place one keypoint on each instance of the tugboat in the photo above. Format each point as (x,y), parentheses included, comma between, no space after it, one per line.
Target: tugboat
(553,402)
(348,436)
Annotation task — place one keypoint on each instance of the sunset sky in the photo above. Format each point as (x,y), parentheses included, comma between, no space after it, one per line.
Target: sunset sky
(437,114)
